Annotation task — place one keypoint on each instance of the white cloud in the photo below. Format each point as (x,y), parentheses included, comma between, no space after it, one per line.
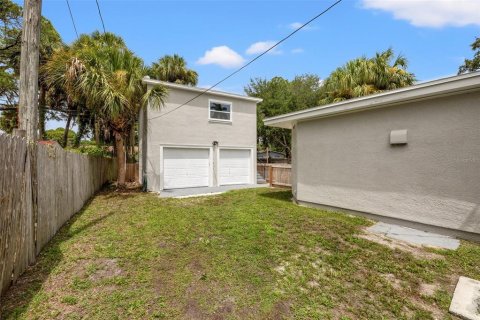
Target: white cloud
(296,25)
(297,50)
(429,13)
(222,56)
(261,46)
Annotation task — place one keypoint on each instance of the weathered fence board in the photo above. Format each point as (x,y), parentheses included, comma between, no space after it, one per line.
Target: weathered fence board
(62,183)
(276,174)
(132,172)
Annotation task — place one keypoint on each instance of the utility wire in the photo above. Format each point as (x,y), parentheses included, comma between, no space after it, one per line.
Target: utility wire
(254,59)
(71,16)
(100,14)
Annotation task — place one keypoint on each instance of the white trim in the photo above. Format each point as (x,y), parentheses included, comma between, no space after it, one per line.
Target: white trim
(217,171)
(161,168)
(443,87)
(221,102)
(236,147)
(210,166)
(210,160)
(200,90)
(176,145)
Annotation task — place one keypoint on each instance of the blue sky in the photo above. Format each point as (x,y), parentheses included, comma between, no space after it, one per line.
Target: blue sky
(433,34)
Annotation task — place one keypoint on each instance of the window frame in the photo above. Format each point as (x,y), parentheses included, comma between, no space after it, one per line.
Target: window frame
(222,102)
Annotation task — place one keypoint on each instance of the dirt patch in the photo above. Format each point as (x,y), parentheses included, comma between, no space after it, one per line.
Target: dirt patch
(225,309)
(193,310)
(428,289)
(394,281)
(417,251)
(432,308)
(197,269)
(281,310)
(313,284)
(104,269)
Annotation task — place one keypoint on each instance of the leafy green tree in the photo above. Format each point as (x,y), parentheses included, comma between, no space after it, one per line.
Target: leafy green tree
(281,96)
(363,76)
(99,73)
(173,69)
(57,135)
(10,45)
(8,120)
(471,65)
(10,41)
(358,77)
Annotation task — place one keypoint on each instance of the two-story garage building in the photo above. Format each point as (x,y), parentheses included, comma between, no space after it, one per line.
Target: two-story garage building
(209,141)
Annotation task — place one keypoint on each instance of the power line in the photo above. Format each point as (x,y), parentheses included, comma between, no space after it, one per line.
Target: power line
(254,59)
(71,16)
(100,14)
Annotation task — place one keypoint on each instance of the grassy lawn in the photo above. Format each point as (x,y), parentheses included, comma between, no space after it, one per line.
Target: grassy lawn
(247,254)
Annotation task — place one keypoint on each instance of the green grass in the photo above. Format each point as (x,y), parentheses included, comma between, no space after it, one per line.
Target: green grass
(246,254)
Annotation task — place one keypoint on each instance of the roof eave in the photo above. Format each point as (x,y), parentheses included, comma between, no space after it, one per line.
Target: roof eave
(428,90)
(200,90)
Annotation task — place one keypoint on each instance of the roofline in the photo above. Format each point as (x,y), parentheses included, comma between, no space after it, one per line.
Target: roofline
(200,90)
(427,90)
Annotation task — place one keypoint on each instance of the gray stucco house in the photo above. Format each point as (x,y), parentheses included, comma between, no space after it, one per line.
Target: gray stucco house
(409,156)
(209,141)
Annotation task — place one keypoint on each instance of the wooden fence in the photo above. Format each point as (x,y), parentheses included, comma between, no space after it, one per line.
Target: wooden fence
(34,206)
(132,172)
(276,174)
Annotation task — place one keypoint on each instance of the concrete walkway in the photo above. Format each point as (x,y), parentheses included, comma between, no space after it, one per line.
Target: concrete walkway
(466,299)
(414,236)
(205,191)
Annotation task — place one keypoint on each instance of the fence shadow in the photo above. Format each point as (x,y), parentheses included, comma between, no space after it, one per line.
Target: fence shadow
(20,295)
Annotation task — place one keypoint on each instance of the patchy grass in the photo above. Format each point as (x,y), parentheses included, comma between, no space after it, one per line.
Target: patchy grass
(247,254)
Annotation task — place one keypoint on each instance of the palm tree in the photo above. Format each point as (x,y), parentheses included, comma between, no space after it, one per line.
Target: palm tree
(364,76)
(101,74)
(173,69)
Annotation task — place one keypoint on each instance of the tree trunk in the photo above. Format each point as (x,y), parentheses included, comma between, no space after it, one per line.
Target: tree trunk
(96,132)
(122,167)
(41,113)
(82,126)
(132,144)
(67,129)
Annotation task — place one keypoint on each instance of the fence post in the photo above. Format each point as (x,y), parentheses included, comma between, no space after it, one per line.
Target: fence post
(270,175)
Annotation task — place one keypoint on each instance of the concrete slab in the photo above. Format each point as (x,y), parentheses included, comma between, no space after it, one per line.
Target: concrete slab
(205,191)
(466,299)
(414,236)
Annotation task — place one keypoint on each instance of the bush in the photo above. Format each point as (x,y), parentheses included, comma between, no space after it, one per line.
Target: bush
(93,150)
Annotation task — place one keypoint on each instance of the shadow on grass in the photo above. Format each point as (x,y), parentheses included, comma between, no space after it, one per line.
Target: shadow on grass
(16,300)
(278,194)
(128,192)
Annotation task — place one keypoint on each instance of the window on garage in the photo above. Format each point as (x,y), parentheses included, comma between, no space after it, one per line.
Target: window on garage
(220,110)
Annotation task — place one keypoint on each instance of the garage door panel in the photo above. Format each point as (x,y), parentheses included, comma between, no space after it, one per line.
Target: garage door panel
(235,166)
(185,168)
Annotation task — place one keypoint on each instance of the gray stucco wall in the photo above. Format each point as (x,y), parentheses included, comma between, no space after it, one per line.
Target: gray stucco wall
(347,162)
(190,126)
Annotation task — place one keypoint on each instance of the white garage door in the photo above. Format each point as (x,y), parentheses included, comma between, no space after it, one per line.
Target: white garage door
(235,166)
(185,168)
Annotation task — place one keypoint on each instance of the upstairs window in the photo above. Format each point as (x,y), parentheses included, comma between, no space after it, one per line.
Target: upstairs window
(220,110)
